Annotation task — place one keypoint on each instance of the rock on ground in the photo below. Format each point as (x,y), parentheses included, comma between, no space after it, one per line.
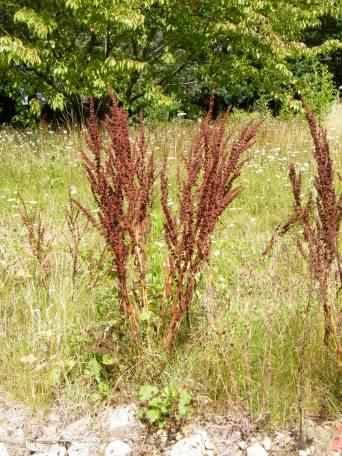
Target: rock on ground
(197,444)
(256,450)
(3,450)
(121,422)
(117,432)
(118,448)
(57,450)
(76,430)
(82,449)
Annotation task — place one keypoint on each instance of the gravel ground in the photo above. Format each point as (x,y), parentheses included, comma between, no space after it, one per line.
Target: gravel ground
(115,431)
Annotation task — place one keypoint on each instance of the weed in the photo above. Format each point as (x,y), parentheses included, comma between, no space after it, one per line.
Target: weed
(166,407)
(121,183)
(40,244)
(76,233)
(205,192)
(320,221)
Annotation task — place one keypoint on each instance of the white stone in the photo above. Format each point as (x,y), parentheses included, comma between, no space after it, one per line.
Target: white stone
(77,429)
(256,450)
(209,445)
(3,433)
(306,452)
(57,450)
(197,444)
(121,421)
(49,432)
(267,443)
(3,450)
(16,435)
(81,449)
(242,445)
(118,448)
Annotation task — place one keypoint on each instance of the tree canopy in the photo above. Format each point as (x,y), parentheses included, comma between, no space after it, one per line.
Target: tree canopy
(164,54)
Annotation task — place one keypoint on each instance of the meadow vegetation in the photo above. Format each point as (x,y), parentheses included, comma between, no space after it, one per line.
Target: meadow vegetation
(250,340)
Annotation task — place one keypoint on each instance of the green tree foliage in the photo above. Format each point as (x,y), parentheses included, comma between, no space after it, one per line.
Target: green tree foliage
(157,54)
(328,30)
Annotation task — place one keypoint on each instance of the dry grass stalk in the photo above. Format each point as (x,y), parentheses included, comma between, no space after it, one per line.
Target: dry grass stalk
(206,190)
(40,244)
(76,231)
(121,176)
(320,220)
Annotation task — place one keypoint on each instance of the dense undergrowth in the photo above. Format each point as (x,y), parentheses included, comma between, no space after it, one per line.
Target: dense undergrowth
(247,344)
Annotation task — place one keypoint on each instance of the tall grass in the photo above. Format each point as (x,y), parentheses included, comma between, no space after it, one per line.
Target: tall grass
(247,325)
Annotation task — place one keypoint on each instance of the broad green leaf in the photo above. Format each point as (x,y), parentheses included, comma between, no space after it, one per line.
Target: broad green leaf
(147,392)
(108,360)
(153,415)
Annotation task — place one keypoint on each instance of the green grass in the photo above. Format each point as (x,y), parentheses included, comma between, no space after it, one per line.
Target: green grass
(246,342)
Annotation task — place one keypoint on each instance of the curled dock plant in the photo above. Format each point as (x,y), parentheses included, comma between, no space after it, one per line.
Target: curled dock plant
(206,187)
(121,174)
(319,217)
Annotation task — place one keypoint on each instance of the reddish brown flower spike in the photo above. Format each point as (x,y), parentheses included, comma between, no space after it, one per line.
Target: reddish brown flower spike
(320,219)
(206,190)
(121,175)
